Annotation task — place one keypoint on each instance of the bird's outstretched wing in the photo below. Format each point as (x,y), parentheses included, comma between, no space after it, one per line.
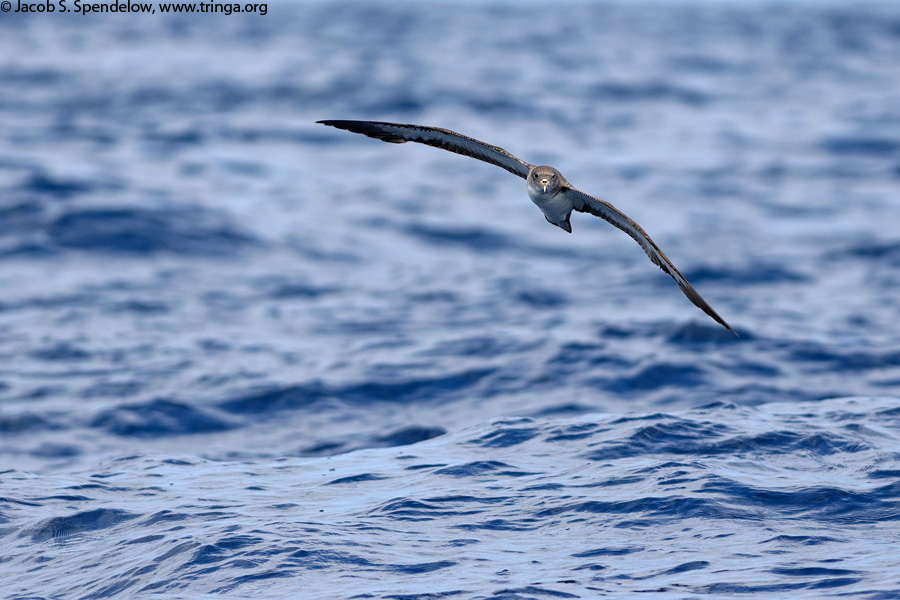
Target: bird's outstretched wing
(398,133)
(588,204)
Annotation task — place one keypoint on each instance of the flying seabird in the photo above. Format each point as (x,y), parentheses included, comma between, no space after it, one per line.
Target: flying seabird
(547,188)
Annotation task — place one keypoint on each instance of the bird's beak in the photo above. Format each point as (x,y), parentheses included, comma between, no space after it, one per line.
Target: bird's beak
(544,183)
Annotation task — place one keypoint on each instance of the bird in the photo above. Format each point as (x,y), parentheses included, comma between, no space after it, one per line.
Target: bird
(546,186)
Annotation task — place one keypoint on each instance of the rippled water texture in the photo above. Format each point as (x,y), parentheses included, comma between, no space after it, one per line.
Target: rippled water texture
(243,355)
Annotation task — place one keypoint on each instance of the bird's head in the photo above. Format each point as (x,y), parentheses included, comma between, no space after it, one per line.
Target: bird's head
(545,180)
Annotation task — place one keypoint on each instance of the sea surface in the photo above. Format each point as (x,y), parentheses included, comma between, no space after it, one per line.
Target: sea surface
(243,355)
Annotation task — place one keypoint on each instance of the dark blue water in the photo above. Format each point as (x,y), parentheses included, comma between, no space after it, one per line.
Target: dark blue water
(247,356)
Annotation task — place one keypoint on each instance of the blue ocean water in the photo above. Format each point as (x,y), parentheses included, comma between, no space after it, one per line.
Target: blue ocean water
(243,355)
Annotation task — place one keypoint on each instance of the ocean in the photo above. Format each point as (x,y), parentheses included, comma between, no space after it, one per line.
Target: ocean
(244,355)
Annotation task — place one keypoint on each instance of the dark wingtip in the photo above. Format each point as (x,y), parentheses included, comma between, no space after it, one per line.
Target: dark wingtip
(722,322)
(719,320)
(372,129)
(698,301)
(340,124)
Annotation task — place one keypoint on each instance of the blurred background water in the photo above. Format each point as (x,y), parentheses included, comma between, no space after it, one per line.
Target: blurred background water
(244,355)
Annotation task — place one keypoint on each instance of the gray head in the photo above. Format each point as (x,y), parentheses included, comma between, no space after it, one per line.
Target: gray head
(545,180)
